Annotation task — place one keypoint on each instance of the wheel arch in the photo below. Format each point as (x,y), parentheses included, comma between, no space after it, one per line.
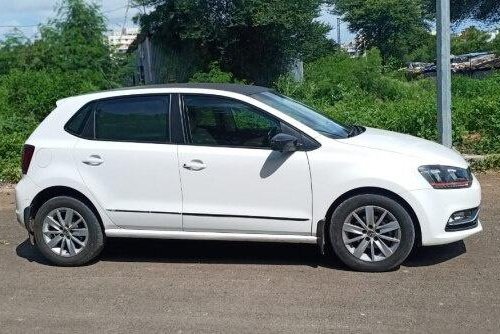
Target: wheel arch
(374,191)
(56,191)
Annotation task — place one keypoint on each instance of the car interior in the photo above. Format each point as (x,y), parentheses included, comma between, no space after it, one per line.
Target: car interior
(230,126)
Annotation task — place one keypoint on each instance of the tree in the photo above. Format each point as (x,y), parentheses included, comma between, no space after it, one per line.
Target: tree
(12,51)
(253,39)
(427,51)
(70,57)
(495,44)
(471,40)
(72,41)
(482,10)
(395,27)
(75,40)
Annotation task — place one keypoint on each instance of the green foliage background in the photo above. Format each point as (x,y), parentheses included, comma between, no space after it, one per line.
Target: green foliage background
(72,57)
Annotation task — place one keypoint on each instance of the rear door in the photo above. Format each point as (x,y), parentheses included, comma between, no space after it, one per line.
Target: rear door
(129,164)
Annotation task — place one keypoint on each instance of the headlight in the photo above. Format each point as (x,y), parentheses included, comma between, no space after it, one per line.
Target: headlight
(446,177)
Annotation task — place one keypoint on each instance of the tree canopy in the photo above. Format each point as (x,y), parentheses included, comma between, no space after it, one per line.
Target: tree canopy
(395,27)
(253,39)
(74,40)
(471,40)
(482,10)
(401,28)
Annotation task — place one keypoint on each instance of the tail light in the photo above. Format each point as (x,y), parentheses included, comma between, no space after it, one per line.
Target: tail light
(28,151)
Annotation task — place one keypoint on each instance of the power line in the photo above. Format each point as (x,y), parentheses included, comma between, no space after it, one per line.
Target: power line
(125,18)
(114,10)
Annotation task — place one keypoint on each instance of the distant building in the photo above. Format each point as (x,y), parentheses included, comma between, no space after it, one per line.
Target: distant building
(493,34)
(121,39)
(350,48)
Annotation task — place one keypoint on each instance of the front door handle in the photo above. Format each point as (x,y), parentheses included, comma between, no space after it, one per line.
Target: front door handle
(195,165)
(93,160)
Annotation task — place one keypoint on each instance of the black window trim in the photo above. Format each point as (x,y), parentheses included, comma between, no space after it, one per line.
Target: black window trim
(85,122)
(90,121)
(306,142)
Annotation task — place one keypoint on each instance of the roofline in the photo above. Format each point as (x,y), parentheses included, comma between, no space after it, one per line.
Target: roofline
(246,90)
(228,87)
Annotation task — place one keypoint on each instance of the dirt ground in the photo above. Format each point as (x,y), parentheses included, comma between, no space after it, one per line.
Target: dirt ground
(186,286)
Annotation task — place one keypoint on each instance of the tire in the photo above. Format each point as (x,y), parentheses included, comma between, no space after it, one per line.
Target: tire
(381,250)
(79,240)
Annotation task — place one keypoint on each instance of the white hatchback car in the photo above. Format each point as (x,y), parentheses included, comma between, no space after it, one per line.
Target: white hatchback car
(235,162)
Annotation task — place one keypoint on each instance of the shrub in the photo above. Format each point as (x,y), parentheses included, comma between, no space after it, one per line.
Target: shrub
(214,75)
(13,133)
(34,93)
(26,97)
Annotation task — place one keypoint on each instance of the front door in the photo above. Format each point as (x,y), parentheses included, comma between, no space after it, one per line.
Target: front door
(231,180)
(129,165)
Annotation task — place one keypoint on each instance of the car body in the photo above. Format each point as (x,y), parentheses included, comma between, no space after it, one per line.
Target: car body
(215,165)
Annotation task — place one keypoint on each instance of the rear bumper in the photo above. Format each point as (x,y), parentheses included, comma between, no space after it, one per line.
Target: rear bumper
(434,207)
(26,190)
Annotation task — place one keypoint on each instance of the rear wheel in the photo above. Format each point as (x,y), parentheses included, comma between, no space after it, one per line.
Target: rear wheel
(371,233)
(67,232)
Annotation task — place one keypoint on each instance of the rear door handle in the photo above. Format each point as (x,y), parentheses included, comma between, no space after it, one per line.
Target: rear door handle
(194,165)
(93,160)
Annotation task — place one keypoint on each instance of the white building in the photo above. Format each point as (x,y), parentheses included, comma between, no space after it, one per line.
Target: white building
(350,48)
(121,39)
(493,34)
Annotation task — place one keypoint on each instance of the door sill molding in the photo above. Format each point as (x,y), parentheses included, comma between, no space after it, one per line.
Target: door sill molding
(223,236)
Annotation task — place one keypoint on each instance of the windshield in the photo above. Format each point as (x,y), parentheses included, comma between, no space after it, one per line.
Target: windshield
(303,114)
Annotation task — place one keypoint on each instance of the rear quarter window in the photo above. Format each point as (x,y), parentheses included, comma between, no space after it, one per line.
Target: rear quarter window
(77,123)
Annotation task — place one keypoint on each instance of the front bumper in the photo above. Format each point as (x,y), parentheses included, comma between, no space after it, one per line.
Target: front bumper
(434,207)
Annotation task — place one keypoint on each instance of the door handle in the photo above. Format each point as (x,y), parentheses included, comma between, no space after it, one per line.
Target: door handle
(93,160)
(194,165)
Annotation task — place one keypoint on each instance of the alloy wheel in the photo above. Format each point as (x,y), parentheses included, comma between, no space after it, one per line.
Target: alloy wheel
(371,233)
(65,232)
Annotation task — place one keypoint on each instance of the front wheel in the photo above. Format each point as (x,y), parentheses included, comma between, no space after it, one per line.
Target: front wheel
(67,232)
(371,233)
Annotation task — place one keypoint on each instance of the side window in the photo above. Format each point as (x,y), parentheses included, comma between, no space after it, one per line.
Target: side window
(142,119)
(219,121)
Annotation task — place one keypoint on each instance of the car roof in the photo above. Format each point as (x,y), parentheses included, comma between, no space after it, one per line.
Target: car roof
(231,88)
(234,88)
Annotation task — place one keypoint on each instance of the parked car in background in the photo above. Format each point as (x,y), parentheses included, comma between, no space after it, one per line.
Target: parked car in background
(235,162)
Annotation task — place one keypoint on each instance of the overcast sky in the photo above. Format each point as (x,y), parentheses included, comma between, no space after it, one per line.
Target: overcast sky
(27,14)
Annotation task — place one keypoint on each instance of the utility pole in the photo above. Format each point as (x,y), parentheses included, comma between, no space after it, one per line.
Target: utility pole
(149,72)
(444,72)
(338,31)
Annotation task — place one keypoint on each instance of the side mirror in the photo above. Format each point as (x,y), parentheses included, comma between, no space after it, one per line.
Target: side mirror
(284,143)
